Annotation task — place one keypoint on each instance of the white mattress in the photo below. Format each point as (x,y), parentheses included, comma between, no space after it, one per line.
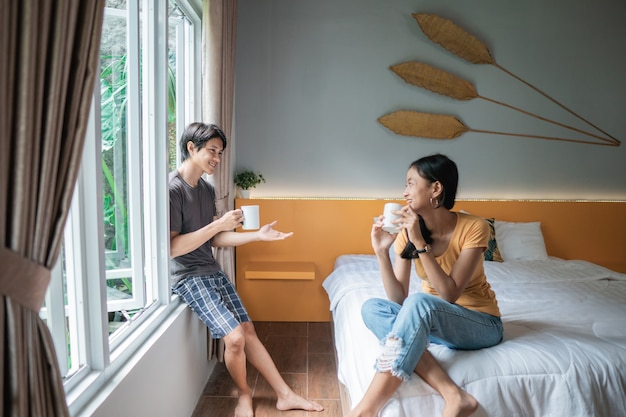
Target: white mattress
(563,354)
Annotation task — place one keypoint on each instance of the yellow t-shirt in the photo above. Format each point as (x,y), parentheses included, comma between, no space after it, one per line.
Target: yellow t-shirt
(470,232)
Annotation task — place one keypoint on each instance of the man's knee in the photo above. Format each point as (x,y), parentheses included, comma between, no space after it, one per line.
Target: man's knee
(248,330)
(236,339)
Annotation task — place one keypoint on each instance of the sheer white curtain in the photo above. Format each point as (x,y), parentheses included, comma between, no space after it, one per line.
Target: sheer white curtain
(219,28)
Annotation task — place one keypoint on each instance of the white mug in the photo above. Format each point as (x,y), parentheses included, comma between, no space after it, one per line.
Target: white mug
(250,217)
(389,217)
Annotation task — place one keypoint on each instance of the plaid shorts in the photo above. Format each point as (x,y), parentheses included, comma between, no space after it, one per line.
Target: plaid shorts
(214,299)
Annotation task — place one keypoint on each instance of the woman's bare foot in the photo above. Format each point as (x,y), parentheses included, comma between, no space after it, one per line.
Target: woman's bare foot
(460,405)
(244,406)
(292,401)
(359,413)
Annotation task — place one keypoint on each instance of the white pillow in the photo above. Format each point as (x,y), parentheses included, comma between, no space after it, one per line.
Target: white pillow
(519,240)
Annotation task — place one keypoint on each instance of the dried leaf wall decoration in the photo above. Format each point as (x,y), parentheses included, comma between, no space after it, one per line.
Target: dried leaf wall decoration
(442,126)
(447,84)
(465,45)
(453,38)
(435,80)
(423,125)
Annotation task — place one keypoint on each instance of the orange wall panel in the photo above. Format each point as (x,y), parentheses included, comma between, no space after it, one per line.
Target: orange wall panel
(326,228)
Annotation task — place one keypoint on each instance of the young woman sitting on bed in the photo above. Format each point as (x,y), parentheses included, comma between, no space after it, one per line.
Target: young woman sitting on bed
(456,307)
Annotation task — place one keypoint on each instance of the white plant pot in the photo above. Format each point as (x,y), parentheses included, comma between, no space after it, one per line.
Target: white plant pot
(244,193)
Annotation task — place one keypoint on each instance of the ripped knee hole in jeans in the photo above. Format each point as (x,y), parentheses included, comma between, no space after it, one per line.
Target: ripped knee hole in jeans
(387,361)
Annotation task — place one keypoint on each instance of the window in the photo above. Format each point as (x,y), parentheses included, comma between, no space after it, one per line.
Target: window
(110,285)
(120,106)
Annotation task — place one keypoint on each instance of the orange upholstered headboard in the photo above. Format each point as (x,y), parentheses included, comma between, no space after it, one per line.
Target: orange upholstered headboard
(282,281)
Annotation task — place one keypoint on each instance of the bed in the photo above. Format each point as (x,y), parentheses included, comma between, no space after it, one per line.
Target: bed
(564,347)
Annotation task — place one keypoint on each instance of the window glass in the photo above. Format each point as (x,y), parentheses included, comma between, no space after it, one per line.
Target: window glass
(106,249)
(177,25)
(124,288)
(62,318)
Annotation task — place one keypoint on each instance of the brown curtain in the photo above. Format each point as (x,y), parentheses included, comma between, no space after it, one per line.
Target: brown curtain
(50,54)
(219,27)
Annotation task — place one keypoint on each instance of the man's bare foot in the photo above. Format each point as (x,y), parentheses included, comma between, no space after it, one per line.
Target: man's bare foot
(244,406)
(293,401)
(461,405)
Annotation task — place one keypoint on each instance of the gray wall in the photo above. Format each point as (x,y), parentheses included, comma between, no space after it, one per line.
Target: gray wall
(312,77)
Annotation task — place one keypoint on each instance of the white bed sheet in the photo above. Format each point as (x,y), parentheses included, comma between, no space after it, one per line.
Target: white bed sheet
(563,353)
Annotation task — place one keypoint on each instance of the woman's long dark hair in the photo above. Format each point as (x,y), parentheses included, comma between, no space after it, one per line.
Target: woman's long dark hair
(433,168)
(440,168)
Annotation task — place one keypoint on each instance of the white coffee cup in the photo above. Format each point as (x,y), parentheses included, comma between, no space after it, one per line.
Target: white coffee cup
(250,217)
(389,217)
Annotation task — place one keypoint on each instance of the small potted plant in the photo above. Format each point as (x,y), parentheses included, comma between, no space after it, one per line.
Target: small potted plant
(245,180)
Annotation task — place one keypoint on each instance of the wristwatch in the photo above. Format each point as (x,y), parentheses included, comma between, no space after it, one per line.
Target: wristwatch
(416,252)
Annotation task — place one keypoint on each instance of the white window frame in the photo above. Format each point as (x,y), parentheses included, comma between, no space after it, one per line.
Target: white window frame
(133,150)
(189,42)
(98,357)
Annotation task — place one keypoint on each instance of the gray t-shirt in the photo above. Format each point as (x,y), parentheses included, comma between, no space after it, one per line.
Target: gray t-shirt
(191,208)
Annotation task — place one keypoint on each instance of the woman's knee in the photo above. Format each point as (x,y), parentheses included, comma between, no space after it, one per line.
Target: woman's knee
(374,308)
(421,302)
(369,305)
(379,315)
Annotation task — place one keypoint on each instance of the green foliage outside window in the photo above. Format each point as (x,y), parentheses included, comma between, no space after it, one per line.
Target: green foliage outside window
(114,105)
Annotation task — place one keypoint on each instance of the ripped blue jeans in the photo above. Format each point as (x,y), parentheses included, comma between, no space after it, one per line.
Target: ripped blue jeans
(406,330)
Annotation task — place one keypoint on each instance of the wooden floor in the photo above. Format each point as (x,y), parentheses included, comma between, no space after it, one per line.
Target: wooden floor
(304,355)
